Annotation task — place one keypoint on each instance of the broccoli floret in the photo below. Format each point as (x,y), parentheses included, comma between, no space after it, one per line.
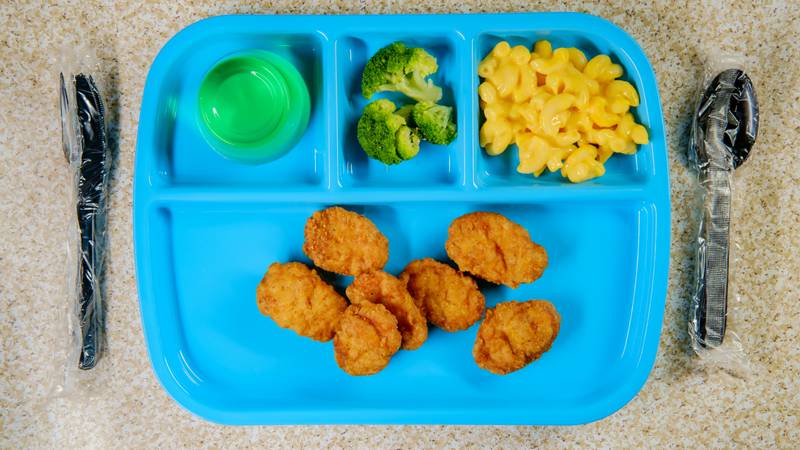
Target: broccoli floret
(384,135)
(435,122)
(406,112)
(407,142)
(399,68)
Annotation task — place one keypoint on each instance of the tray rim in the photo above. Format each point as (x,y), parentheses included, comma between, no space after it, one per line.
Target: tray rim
(657,194)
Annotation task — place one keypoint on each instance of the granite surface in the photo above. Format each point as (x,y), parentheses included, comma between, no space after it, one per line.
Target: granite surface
(683,403)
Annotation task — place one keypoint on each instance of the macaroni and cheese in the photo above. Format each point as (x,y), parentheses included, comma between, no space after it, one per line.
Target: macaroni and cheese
(563,112)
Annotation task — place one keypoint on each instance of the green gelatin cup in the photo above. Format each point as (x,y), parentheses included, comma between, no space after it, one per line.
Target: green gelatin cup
(253,107)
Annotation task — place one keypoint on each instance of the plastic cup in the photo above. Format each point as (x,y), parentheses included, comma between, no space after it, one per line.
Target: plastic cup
(253,106)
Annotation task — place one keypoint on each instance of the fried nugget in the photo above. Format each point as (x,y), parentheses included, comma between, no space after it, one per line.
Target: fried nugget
(344,242)
(448,298)
(493,248)
(366,339)
(514,334)
(379,287)
(295,297)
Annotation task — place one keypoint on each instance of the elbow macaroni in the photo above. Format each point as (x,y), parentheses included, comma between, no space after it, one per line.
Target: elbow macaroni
(563,112)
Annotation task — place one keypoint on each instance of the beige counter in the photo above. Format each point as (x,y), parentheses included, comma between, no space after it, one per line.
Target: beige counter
(681,404)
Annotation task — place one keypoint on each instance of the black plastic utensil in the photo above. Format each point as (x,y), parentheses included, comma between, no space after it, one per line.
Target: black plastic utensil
(85,143)
(724,130)
(92,189)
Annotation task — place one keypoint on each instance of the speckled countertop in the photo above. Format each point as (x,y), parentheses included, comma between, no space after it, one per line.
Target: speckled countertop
(681,405)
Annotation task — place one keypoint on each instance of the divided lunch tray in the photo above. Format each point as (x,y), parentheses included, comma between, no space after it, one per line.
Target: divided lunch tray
(206,229)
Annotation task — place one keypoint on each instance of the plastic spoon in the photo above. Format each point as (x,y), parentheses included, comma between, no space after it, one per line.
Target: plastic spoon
(723,133)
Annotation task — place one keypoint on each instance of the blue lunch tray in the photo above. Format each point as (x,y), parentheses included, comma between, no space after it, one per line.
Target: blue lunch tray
(206,229)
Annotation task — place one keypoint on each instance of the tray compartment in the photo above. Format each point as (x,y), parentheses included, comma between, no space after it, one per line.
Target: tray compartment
(621,170)
(221,343)
(435,165)
(185,158)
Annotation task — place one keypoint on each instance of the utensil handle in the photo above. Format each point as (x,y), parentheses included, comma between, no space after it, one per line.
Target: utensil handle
(89,291)
(714,258)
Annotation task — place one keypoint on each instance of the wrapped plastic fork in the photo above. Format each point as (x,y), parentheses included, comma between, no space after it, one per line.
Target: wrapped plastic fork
(85,146)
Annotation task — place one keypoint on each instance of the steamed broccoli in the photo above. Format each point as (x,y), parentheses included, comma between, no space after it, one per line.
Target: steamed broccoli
(407,142)
(435,122)
(407,112)
(399,68)
(384,135)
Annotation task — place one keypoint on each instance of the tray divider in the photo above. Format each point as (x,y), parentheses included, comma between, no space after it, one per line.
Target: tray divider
(468,115)
(238,195)
(330,81)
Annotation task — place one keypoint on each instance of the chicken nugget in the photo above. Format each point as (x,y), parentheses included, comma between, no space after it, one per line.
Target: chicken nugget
(493,248)
(366,339)
(344,242)
(295,297)
(449,299)
(514,334)
(379,287)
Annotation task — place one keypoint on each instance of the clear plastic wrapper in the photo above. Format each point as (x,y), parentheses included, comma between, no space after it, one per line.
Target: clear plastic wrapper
(88,157)
(724,129)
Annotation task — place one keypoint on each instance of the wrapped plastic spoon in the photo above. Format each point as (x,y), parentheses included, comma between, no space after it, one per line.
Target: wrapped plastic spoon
(724,130)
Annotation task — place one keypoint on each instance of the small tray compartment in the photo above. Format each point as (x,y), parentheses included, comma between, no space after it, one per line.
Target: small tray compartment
(435,165)
(621,170)
(184,157)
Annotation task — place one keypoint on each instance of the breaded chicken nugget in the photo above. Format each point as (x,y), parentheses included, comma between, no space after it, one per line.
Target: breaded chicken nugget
(490,246)
(298,299)
(379,287)
(449,299)
(514,334)
(344,242)
(366,339)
